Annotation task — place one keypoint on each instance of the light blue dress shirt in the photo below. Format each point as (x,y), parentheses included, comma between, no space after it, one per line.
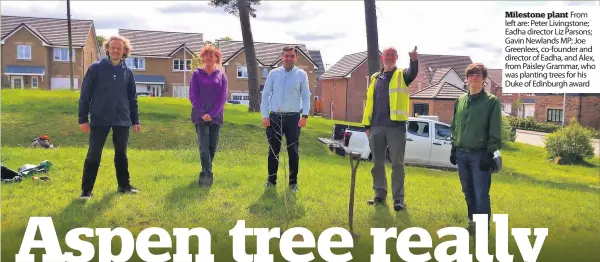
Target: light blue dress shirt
(285,92)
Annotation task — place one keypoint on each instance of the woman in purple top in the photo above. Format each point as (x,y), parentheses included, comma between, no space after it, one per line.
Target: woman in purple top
(208,92)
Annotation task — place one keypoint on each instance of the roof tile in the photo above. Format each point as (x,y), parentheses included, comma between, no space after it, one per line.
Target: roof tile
(53,30)
(345,65)
(160,43)
(266,53)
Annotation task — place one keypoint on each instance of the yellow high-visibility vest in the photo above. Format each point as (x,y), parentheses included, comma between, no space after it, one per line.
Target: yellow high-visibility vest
(399,99)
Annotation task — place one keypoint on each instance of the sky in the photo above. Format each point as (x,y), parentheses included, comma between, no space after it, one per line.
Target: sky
(335,28)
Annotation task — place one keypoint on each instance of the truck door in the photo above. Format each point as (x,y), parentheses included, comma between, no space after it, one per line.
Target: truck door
(418,142)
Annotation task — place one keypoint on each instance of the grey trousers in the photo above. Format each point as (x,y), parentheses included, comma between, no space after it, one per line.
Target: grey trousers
(394,139)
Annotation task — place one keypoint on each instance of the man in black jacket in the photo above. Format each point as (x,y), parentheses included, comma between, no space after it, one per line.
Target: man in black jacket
(108,94)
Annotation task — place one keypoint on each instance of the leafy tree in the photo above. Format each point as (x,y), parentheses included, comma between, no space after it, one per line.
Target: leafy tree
(100,40)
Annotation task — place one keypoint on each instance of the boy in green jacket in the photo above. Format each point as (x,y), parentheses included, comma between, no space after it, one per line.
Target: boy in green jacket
(476,132)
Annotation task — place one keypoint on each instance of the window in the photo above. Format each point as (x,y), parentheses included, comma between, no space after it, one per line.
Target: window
(23,52)
(421,109)
(242,72)
(178,64)
(240,96)
(442,132)
(136,62)
(555,115)
(507,107)
(62,54)
(265,72)
(34,82)
(418,128)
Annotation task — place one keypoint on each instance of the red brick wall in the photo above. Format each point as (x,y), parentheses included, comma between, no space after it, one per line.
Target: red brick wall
(442,108)
(590,108)
(333,91)
(357,93)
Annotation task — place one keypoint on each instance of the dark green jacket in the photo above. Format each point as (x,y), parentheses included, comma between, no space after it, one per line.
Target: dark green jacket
(477,124)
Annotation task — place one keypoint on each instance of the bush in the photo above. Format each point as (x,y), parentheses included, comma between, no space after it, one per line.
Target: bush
(572,143)
(509,133)
(529,123)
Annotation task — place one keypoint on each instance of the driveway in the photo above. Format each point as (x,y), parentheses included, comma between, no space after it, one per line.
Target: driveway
(537,139)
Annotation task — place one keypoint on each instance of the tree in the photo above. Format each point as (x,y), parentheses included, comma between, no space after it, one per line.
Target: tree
(216,42)
(244,9)
(372,36)
(100,40)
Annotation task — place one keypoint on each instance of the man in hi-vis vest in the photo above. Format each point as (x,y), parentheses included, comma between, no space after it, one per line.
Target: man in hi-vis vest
(385,117)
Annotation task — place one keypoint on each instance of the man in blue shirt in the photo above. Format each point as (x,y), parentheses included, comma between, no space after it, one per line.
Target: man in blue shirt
(108,95)
(284,108)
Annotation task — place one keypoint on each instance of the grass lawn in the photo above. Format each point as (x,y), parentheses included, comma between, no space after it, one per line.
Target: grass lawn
(164,165)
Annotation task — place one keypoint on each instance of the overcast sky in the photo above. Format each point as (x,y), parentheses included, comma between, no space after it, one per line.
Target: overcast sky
(335,28)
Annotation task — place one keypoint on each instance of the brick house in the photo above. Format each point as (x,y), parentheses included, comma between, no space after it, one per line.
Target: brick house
(268,56)
(316,56)
(161,61)
(429,65)
(35,52)
(344,88)
(439,98)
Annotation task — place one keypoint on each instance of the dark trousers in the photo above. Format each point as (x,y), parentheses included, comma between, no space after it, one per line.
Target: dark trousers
(208,139)
(475,183)
(98,135)
(283,125)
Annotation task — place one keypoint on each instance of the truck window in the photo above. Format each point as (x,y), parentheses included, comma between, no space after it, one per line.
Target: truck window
(442,132)
(418,128)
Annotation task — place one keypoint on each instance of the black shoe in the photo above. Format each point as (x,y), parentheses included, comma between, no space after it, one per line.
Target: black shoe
(294,187)
(398,205)
(270,184)
(128,190)
(85,195)
(375,201)
(204,179)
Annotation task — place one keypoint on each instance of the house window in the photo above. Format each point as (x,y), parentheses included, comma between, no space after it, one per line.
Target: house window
(421,109)
(62,54)
(34,82)
(136,62)
(265,72)
(23,52)
(178,64)
(240,96)
(507,107)
(555,115)
(242,72)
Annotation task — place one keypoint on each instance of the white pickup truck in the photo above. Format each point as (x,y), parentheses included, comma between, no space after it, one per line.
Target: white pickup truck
(428,142)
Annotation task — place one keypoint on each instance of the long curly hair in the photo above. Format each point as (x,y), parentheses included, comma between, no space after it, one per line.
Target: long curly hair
(126,43)
(210,49)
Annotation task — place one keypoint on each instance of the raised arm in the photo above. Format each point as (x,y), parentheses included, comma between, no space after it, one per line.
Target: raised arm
(411,72)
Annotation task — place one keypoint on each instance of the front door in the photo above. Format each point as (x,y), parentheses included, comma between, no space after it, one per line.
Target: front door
(441,146)
(418,142)
(16,82)
(155,90)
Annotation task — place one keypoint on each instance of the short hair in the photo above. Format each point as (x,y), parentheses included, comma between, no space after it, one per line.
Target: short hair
(210,49)
(290,48)
(126,43)
(476,68)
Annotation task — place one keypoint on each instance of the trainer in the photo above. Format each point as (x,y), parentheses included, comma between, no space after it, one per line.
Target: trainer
(108,95)
(285,97)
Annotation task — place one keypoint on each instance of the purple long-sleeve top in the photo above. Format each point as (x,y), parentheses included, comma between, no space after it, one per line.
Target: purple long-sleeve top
(208,94)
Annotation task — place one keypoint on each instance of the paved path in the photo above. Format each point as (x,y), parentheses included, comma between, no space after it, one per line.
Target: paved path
(537,139)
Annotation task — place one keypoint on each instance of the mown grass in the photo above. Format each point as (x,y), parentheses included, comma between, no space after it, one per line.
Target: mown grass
(164,164)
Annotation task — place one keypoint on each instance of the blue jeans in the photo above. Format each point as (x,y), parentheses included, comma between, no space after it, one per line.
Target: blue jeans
(475,183)
(208,140)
